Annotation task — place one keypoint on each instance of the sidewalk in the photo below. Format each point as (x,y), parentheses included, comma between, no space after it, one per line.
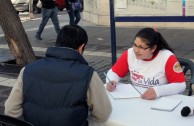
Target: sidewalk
(98,49)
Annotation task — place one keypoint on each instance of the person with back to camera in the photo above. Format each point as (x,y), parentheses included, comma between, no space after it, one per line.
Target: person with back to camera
(73,11)
(61,88)
(151,64)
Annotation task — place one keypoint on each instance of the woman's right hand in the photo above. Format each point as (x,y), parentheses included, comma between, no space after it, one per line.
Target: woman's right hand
(111,86)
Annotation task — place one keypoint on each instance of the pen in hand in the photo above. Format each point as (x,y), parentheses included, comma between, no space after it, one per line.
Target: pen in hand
(109,79)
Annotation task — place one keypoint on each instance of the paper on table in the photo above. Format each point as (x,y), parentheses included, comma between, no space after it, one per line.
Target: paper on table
(124,91)
(166,104)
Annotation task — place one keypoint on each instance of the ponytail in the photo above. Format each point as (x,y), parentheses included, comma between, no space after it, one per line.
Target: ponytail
(162,43)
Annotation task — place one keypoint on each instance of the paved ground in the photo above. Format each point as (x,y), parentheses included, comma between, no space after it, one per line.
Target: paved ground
(98,50)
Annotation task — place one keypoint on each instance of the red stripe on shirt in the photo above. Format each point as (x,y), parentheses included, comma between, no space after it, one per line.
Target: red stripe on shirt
(121,67)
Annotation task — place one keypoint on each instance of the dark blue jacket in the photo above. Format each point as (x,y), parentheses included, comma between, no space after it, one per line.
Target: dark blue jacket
(55,89)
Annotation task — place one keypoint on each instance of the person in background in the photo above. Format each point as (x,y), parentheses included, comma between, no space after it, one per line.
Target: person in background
(73,11)
(49,10)
(61,88)
(151,64)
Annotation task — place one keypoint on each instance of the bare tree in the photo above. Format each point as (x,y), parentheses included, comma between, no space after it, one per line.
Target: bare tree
(15,34)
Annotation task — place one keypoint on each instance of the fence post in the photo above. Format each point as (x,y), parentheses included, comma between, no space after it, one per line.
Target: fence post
(113,31)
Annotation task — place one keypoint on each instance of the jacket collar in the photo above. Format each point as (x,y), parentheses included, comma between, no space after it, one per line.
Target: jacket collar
(65,54)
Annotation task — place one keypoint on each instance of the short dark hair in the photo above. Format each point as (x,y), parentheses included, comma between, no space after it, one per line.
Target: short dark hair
(152,38)
(71,36)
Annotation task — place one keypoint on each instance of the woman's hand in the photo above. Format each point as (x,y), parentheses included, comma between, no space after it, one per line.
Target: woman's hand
(111,86)
(149,94)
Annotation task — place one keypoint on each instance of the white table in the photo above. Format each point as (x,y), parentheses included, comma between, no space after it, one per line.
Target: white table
(137,112)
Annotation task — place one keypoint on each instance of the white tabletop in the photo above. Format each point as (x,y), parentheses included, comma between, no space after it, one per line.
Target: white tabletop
(138,112)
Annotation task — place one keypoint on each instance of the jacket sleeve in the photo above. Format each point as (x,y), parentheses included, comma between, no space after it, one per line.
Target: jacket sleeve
(13,105)
(98,100)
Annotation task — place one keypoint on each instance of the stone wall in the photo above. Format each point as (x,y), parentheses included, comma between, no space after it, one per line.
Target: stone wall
(97,12)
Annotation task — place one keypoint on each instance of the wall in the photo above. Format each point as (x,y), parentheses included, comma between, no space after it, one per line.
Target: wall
(97,12)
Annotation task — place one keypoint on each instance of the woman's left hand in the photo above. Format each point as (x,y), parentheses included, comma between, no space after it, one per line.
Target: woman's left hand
(149,94)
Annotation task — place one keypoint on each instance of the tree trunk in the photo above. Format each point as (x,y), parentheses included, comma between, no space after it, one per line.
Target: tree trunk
(15,34)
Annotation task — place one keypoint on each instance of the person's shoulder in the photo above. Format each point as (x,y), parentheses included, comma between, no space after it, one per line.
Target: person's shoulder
(95,74)
(165,52)
(128,51)
(164,55)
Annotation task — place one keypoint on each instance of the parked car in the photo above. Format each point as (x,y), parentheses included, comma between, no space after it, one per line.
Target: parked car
(21,5)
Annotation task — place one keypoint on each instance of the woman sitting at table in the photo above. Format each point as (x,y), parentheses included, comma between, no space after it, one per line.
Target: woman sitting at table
(151,64)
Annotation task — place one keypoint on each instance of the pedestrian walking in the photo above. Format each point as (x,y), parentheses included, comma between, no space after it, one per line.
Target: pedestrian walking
(73,9)
(49,10)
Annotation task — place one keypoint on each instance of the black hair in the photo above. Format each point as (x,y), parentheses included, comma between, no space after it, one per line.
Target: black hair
(71,36)
(152,38)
